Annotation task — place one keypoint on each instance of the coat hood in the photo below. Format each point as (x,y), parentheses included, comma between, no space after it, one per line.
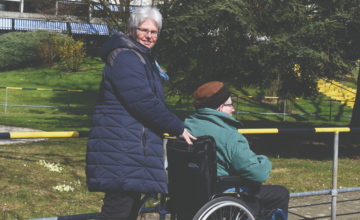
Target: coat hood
(121,40)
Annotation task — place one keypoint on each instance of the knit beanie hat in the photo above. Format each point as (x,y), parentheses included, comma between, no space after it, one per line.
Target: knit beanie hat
(211,95)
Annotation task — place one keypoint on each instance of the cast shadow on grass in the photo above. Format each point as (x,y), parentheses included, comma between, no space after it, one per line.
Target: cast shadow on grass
(305,146)
(67,124)
(316,104)
(341,111)
(254,103)
(20,157)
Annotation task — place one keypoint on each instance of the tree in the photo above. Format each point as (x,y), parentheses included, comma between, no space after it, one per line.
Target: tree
(355,119)
(353,32)
(52,10)
(209,40)
(115,13)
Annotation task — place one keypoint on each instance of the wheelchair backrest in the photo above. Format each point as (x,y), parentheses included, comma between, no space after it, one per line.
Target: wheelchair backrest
(192,174)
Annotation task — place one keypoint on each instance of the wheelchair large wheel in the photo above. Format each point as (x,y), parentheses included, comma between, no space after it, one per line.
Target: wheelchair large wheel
(143,201)
(224,208)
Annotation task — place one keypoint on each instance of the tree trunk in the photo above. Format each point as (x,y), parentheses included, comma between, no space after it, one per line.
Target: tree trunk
(355,120)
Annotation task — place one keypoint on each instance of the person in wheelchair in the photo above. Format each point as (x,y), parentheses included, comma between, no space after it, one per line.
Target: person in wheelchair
(213,117)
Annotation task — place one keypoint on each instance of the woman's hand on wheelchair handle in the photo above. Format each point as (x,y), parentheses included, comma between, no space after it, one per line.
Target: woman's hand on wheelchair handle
(186,135)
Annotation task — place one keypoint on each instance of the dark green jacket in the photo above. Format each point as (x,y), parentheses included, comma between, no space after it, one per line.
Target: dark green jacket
(234,156)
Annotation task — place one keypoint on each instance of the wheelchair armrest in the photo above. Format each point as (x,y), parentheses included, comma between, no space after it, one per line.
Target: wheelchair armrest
(230,179)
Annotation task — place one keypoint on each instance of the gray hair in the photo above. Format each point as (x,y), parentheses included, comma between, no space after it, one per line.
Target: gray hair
(226,102)
(144,13)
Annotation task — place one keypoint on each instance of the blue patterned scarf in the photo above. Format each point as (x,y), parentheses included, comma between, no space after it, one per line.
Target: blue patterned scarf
(163,75)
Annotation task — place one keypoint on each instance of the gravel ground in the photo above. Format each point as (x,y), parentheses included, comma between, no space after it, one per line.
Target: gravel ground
(315,207)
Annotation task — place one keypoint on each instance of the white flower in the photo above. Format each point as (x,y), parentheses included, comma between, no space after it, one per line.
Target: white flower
(77,183)
(24,165)
(51,166)
(63,188)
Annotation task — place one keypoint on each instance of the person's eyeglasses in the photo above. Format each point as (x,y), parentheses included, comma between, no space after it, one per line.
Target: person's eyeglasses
(230,105)
(145,32)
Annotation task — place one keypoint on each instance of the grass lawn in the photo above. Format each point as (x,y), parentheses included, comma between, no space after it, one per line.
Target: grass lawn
(351,81)
(57,77)
(303,162)
(300,162)
(27,187)
(89,77)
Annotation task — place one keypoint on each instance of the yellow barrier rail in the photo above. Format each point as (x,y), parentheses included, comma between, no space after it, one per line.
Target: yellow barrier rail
(76,134)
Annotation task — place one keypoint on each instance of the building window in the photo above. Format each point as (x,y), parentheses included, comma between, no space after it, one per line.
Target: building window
(30,7)
(73,8)
(12,6)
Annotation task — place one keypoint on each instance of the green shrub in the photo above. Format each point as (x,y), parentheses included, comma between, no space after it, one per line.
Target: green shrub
(46,51)
(70,51)
(18,49)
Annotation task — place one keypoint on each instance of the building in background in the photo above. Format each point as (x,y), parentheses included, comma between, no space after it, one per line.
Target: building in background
(72,17)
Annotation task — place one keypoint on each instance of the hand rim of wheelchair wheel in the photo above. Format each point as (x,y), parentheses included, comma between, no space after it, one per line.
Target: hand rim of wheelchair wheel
(216,204)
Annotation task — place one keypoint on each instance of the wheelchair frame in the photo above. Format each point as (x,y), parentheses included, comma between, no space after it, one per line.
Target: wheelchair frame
(217,201)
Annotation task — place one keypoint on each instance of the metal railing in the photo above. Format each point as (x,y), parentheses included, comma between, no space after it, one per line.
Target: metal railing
(342,87)
(40,106)
(284,113)
(333,192)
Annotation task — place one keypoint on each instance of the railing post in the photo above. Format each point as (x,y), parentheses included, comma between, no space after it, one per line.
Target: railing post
(237,106)
(330,110)
(334,191)
(68,108)
(5,100)
(284,108)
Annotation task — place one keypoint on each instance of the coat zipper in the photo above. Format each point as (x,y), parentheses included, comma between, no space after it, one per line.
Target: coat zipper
(143,140)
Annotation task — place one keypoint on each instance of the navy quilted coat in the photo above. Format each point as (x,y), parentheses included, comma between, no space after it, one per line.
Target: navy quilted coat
(124,150)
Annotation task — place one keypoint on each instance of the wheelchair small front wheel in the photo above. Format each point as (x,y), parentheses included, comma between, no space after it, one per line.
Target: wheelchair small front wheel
(225,208)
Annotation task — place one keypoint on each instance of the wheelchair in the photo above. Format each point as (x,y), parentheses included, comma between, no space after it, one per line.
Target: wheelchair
(192,179)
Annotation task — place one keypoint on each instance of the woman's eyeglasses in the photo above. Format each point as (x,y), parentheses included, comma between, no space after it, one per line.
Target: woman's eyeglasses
(145,32)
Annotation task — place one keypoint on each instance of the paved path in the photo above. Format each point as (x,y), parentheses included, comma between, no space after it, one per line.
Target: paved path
(319,207)
(4,128)
(315,207)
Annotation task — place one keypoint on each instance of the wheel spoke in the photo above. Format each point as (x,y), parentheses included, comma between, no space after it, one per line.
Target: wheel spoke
(213,217)
(237,216)
(232,214)
(242,214)
(224,208)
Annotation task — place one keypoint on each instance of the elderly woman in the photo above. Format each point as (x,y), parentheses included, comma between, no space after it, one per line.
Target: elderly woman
(124,152)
